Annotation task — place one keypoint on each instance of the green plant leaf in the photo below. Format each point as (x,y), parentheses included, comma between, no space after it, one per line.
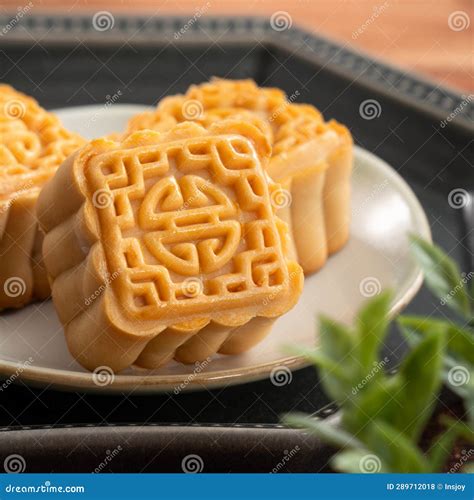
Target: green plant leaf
(460,347)
(468,469)
(394,448)
(442,275)
(465,430)
(332,375)
(463,390)
(372,323)
(331,434)
(336,340)
(469,402)
(442,447)
(420,374)
(338,345)
(403,400)
(319,359)
(377,400)
(459,340)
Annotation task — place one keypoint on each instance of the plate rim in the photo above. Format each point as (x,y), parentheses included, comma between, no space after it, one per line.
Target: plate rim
(154,384)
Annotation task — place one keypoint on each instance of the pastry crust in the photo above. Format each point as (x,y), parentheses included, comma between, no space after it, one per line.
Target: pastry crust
(311,158)
(33,143)
(166,245)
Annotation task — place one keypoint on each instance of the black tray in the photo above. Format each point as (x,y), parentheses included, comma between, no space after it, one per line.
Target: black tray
(163,448)
(64,61)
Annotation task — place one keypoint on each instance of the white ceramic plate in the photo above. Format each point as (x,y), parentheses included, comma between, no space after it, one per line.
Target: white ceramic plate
(385,210)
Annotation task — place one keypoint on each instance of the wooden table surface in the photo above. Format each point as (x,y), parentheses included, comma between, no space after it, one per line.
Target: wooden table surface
(432,37)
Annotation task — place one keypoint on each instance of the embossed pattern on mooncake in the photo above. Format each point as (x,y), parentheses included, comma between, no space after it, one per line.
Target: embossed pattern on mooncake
(199,218)
(33,143)
(184,224)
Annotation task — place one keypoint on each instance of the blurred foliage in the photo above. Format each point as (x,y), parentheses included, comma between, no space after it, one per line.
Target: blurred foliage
(382,415)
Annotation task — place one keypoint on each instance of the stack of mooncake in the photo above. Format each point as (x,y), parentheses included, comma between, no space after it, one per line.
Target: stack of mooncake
(185,236)
(33,144)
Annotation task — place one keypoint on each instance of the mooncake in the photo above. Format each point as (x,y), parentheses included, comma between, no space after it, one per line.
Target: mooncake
(166,245)
(33,143)
(311,159)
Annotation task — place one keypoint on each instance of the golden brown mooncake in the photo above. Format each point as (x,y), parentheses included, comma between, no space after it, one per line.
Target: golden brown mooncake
(33,143)
(166,245)
(311,159)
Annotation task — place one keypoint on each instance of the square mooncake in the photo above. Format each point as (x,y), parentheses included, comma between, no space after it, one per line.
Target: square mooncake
(166,245)
(33,144)
(311,159)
